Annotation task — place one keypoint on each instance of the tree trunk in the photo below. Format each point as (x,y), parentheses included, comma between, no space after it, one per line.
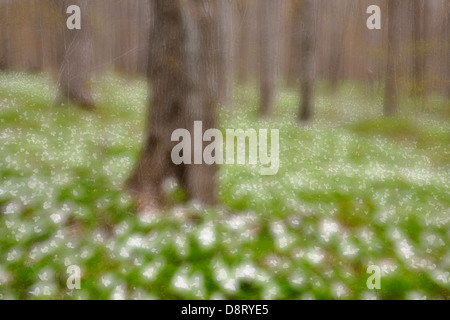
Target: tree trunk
(269,25)
(225,51)
(295,46)
(4,35)
(419,47)
(391,94)
(307,60)
(338,29)
(77,64)
(144,24)
(448,53)
(181,68)
(246,10)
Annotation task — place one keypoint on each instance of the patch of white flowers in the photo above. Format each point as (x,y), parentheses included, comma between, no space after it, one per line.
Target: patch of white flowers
(308,232)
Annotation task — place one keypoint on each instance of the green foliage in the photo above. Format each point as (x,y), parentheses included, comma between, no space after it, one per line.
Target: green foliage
(353,190)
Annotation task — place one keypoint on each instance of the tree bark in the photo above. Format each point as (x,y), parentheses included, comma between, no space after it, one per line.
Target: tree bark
(391,92)
(419,47)
(294,71)
(77,64)
(269,25)
(225,51)
(447,81)
(246,31)
(307,60)
(181,68)
(338,29)
(4,35)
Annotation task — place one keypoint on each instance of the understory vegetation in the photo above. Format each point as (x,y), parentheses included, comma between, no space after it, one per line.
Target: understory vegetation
(354,189)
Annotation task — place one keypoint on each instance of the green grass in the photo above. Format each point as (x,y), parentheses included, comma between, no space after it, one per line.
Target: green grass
(353,189)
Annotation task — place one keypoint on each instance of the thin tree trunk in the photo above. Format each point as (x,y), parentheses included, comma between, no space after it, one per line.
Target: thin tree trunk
(225,51)
(181,68)
(419,47)
(294,70)
(144,24)
(448,52)
(119,41)
(391,94)
(269,25)
(77,63)
(307,61)
(428,38)
(246,19)
(338,29)
(36,58)
(4,35)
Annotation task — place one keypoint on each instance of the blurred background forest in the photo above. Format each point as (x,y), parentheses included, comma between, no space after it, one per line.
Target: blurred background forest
(346,49)
(364,150)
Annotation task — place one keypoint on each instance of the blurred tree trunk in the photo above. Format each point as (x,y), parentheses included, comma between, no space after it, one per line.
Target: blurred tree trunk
(447,8)
(428,38)
(225,51)
(181,68)
(338,29)
(307,60)
(119,42)
(269,22)
(77,64)
(419,47)
(36,60)
(144,23)
(294,70)
(4,35)
(391,91)
(246,19)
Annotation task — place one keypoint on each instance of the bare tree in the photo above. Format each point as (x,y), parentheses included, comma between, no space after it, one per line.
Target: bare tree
(307,60)
(391,91)
(76,68)
(269,22)
(181,68)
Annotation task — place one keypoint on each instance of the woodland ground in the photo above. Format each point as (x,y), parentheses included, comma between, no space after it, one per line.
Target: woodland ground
(354,189)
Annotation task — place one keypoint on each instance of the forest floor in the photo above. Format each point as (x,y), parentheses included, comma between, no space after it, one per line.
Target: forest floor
(354,189)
